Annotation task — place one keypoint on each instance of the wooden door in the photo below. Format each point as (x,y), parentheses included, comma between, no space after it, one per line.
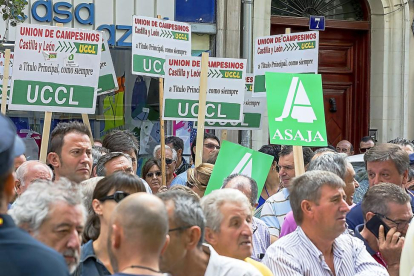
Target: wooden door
(344,65)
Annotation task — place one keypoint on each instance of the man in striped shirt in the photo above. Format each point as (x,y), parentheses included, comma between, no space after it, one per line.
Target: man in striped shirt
(277,206)
(319,246)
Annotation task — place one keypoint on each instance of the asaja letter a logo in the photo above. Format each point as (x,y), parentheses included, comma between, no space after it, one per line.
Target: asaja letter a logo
(297,104)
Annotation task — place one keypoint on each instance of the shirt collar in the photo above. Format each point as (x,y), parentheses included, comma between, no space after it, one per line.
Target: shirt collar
(358,235)
(336,247)
(87,251)
(285,192)
(6,221)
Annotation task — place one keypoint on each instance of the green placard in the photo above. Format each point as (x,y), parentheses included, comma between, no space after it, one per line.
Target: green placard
(295,108)
(234,158)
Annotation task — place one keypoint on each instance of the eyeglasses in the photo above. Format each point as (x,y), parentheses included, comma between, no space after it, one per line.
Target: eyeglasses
(211,146)
(400,225)
(364,149)
(180,228)
(117,196)
(151,174)
(286,168)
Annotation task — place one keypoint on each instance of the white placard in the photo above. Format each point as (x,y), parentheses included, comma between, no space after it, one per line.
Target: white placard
(107,77)
(55,69)
(254,108)
(286,53)
(153,39)
(225,89)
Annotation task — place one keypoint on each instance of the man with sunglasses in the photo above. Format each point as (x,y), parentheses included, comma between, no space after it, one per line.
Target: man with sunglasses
(211,144)
(366,143)
(170,162)
(390,205)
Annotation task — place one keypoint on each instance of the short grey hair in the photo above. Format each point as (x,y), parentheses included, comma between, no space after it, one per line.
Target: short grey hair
(187,210)
(241,181)
(100,166)
(87,187)
(384,152)
(32,208)
(158,147)
(308,187)
(212,203)
(335,163)
(378,196)
(22,170)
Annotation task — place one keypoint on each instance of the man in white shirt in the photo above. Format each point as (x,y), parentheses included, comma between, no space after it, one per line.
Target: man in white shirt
(186,254)
(318,247)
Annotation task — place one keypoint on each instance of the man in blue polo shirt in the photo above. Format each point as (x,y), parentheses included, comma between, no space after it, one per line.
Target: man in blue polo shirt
(385,163)
(20,254)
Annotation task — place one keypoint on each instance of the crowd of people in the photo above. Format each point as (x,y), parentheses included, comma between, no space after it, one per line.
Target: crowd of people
(86,212)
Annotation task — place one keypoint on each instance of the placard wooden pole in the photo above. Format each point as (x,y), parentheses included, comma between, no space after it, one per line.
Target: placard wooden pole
(297,150)
(85,119)
(45,136)
(223,135)
(201,109)
(162,129)
(5,81)
(162,132)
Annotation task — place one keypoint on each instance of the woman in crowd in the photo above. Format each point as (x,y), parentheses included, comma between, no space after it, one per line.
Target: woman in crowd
(197,178)
(108,192)
(151,172)
(272,183)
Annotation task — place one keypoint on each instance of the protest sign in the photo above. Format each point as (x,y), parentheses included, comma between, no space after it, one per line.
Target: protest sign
(253,110)
(153,39)
(55,69)
(295,108)
(233,158)
(2,64)
(107,77)
(286,53)
(225,89)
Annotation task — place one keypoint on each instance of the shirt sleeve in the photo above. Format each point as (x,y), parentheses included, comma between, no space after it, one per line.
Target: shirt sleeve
(365,265)
(268,216)
(281,263)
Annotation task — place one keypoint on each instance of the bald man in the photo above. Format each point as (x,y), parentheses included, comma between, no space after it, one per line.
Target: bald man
(138,235)
(29,172)
(346,147)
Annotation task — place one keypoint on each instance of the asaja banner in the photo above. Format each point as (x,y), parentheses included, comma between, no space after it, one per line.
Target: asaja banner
(286,53)
(225,89)
(2,64)
(107,77)
(55,69)
(153,39)
(254,109)
(234,158)
(295,109)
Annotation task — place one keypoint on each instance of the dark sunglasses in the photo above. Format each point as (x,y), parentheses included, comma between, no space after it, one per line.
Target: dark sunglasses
(211,146)
(117,196)
(168,161)
(151,174)
(364,150)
